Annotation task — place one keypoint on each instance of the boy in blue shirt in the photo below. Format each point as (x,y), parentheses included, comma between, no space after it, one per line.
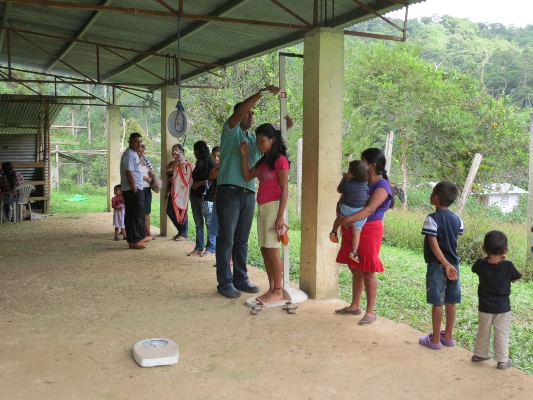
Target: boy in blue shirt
(441,230)
(495,277)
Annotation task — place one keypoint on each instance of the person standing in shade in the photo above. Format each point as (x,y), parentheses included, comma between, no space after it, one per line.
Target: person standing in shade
(131,182)
(235,199)
(148,174)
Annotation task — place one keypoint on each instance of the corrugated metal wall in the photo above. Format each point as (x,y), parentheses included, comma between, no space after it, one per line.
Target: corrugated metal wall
(21,148)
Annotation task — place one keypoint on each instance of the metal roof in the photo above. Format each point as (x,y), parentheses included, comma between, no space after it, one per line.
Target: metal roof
(25,114)
(124,41)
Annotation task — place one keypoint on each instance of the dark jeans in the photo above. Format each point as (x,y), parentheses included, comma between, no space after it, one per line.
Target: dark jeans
(199,217)
(235,209)
(134,215)
(183,229)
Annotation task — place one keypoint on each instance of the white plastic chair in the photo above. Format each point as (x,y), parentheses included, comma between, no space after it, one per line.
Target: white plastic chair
(24,198)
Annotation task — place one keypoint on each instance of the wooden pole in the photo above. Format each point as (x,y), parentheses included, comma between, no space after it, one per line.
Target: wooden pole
(468,185)
(299,179)
(529,258)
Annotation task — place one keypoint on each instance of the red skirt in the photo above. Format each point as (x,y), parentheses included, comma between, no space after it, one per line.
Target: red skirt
(369,247)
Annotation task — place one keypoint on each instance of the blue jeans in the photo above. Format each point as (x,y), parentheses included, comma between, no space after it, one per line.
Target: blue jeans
(440,290)
(235,209)
(199,217)
(213,228)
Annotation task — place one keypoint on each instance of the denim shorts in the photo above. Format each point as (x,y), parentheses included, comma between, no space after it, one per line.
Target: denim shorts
(440,289)
(347,210)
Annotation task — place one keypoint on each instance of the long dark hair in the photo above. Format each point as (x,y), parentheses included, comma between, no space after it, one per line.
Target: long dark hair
(278,147)
(204,160)
(375,156)
(11,175)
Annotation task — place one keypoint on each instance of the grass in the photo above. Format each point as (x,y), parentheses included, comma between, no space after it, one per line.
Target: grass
(401,295)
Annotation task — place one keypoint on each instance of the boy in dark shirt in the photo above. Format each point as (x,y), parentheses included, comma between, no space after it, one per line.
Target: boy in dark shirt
(354,190)
(495,277)
(441,230)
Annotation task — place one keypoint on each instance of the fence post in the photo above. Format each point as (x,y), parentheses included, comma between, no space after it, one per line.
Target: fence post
(468,184)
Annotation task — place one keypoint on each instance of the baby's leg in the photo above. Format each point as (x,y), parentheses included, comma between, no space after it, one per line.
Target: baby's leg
(123,231)
(356,237)
(333,236)
(116,231)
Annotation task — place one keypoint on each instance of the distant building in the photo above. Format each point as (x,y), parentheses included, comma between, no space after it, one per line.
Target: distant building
(502,195)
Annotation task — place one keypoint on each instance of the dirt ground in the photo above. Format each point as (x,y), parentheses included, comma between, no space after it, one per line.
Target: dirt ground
(73,302)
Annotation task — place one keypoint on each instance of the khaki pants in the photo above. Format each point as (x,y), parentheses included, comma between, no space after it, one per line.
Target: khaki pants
(502,323)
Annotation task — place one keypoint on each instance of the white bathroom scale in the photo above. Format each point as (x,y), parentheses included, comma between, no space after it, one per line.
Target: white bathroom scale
(156,352)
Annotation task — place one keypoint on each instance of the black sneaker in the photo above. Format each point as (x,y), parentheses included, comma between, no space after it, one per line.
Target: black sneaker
(229,292)
(247,287)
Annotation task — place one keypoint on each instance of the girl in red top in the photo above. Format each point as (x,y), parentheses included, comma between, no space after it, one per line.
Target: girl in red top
(272,171)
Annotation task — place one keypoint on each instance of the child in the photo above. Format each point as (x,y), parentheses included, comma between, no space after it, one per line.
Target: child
(354,190)
(272,171)
(495,277)
(117,203)
(442,229)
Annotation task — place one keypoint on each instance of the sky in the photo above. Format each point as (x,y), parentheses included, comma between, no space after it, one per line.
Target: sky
(507,12)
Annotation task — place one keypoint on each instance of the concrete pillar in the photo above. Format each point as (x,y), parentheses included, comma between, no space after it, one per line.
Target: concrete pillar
(323,84)
(112,129)
(169,99)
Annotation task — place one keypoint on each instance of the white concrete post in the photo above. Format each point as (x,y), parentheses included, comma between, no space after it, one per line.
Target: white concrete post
(112,128)
(388,151)
(169,99)
(529,260)
(323,85)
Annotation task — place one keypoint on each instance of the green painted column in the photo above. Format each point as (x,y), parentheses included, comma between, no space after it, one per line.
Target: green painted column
(323,85)
(112,129)
(169,98)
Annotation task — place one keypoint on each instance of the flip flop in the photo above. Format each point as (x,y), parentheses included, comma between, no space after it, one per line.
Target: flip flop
(179,238)
(345,311)
(257,308)
(290,307)
(449,343)
(426,341)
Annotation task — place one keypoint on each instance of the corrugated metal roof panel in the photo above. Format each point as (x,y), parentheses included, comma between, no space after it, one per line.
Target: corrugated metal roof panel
(214,42)
(23,114)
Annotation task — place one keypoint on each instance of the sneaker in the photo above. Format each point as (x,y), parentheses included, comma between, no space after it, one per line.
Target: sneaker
(117,238)
(230,292)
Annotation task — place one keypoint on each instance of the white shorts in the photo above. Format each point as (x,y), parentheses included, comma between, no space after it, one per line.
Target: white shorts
(266,219)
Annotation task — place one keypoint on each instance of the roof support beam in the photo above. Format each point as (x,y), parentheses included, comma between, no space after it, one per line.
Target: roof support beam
(5,18)
(80,35)
(371,10)
(172,40)
(287,9)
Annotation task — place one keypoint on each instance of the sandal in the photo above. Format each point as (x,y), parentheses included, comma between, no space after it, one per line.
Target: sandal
(257,308)
(333,237)
(195,253)
(207,254)
(354,256)
(179,238)
(290,307)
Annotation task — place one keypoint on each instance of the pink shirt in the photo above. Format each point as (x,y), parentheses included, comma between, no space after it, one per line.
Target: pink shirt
(269,188)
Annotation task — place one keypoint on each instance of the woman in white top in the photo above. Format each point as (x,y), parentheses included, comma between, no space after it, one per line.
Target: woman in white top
(148,175)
